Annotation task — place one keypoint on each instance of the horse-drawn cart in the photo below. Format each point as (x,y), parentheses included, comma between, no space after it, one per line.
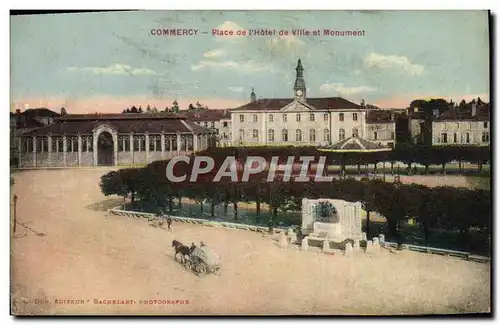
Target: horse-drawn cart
(203,260)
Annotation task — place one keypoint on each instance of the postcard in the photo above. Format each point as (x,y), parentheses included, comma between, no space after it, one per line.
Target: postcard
(251,163)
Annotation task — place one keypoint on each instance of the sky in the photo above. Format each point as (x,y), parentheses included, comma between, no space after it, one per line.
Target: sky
(105,62)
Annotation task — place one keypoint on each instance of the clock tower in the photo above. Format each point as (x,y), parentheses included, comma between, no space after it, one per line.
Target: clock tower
(299,89)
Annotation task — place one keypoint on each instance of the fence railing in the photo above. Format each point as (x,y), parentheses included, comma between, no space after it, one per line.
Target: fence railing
(204,222)
(213,223)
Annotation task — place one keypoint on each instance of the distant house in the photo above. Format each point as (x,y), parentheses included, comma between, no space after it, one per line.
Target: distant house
(468,125)
(23,122)
(381,127)
(218,120)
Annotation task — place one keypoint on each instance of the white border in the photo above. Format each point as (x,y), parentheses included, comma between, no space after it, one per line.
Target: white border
(193,5)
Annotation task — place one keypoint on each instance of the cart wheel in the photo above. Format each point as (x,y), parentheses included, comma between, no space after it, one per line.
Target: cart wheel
(200,269)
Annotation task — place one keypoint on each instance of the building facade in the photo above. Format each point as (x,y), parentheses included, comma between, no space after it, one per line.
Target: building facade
(111,140)
(463,126)
(218,120)
(301,120)
(381,127)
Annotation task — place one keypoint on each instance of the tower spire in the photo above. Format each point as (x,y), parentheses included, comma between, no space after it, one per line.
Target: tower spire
(299,87)
(253,97)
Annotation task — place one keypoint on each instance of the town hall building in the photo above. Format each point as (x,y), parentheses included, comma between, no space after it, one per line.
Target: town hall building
(301,120)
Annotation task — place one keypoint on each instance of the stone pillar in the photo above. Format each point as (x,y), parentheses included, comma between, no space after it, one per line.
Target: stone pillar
(79,150)
(147,147)
(326,246)
(65,141)
(356,246)
(369,247)
(178,143)
(19,151)
(94,147)
(305,244)
(195,142)
(162,137)
(376,244)
(34,151)
(49,149)
(131,137)
(115,148)
(348,249)
(283,241)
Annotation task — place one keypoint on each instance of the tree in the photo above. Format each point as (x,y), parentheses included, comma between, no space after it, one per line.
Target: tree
(134,109)
(148,109)
(139,110)
(191,107)
(63,111)
(175,107)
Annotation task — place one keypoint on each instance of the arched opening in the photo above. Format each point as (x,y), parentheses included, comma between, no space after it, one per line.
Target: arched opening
(105,152)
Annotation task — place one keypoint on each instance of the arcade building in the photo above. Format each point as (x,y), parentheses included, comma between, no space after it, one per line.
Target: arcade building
(79,140)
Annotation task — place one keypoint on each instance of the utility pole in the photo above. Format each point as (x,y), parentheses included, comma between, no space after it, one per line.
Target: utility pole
(15,210)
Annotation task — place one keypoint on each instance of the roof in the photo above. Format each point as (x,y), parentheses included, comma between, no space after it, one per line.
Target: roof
(327,103)
(465,113)
(379,116)
(40,112)
(356,144)
(153,126)
(120,116)
(206,114)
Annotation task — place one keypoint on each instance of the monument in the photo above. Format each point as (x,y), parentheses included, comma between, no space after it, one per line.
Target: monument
(336,220)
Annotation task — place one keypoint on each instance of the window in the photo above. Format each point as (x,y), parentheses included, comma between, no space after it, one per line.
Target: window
(168,142)
(457,126)
(454,138)
(270,135)
(284,135)
(298,135)
(354,116)
(72,144)
(444,138)
(311,117)
(224,124)
(271,117)
(325,117)
(57,144)
(254,117)
(189,142)
(284,118)
(355,132)
(27,144)
(312,135)
(468,126)
(139,142)
(242,118)
(341,117)
(374,135)
(467,138)
(297,117)
(224,135)
(212,124)
(445,126)
(205,124)
(341,134)
(392,135)
(86,144)
(42,144)
(154,143)
(242,134)
(326,135)
(485,125)
(485,137)
(255,134)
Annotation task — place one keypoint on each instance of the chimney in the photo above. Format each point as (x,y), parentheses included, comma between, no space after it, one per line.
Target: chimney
(473,112)
(362,103)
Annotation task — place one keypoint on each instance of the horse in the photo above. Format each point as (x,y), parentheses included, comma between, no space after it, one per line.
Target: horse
(180,248)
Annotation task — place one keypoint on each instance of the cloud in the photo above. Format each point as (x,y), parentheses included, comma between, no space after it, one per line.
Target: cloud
(246,67)
(288,41)
(236,89)
(114,69)
(357,72)
(341,89)
(215,53)
(393,62)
